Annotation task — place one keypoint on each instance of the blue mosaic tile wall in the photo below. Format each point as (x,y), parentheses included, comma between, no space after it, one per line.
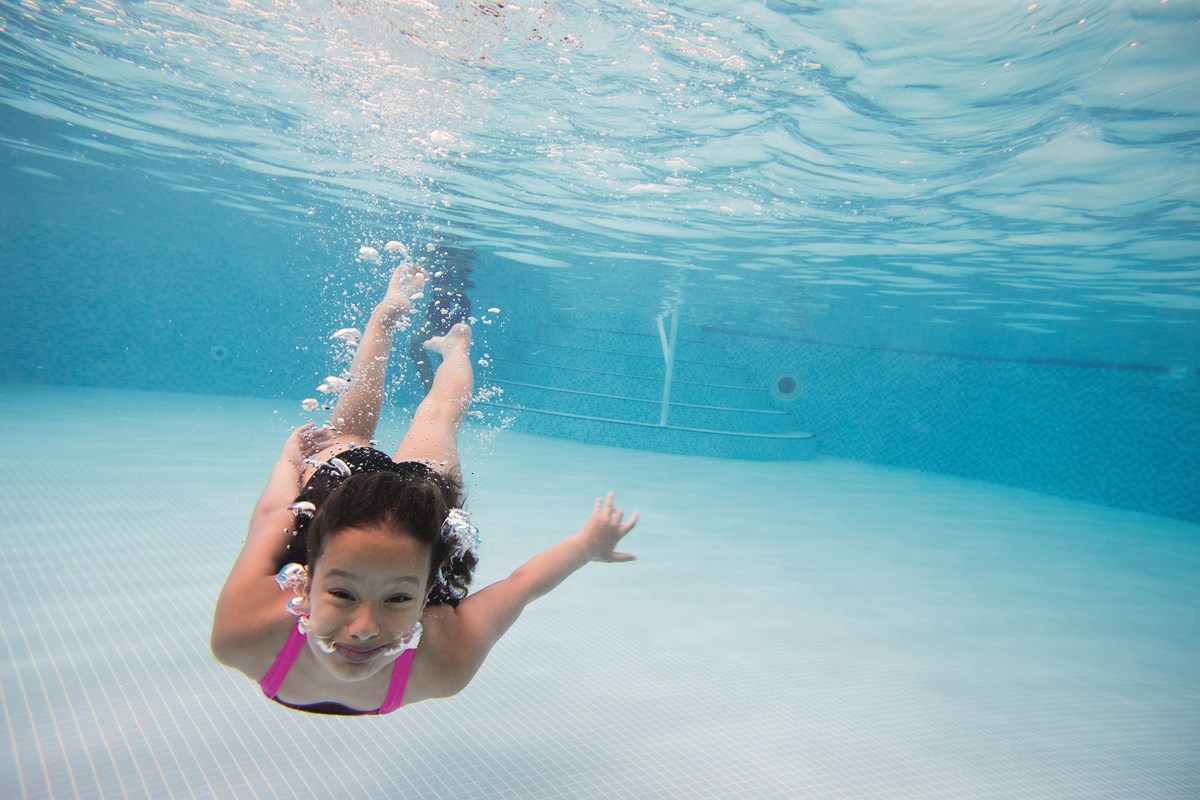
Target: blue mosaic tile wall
(1122,437)
(152,290)
(144,288)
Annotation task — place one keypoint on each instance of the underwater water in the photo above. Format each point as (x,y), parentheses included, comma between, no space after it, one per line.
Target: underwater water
(889,315)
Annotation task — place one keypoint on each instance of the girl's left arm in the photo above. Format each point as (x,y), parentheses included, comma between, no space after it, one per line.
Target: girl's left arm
(482,618)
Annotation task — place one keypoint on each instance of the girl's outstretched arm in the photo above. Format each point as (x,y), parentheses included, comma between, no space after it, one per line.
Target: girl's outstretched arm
(482,618)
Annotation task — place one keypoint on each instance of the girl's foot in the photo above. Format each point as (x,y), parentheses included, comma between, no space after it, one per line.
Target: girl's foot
(458,340)
(405,286)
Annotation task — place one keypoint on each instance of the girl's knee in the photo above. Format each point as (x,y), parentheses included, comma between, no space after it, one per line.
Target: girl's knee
(444,412)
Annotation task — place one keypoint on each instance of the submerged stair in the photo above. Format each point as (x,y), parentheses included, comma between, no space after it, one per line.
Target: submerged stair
(643,391)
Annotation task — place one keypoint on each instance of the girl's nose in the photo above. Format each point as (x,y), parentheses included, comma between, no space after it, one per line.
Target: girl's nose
(363,627)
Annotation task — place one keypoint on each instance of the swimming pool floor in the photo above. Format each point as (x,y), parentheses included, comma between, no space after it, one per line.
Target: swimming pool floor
(824,629)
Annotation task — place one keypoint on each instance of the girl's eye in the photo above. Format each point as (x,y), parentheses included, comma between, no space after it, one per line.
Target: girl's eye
(340,595)
(400,598)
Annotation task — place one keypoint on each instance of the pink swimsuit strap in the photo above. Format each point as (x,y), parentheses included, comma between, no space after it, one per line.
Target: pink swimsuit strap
(278,673)
(400,672)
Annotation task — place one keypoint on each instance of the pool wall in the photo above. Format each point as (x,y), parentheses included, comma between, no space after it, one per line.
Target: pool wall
(1110,434)
(121,283)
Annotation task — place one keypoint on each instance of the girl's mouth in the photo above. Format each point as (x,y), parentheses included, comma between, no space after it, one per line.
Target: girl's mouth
(357,656)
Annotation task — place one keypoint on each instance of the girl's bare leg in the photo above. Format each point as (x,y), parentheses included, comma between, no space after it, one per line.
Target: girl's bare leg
(356,414)
(433,435)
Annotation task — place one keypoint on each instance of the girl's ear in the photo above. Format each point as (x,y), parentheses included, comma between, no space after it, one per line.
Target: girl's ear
(304,587)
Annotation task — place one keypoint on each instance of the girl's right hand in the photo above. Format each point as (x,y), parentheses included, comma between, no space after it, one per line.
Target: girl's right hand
(305,442)
(604,529)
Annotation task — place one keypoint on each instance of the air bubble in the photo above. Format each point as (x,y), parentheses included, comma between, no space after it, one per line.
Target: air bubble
(334,385)
(347,335)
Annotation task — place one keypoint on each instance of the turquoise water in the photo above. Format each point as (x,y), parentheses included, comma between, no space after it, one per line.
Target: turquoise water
(972,235)
(969,235)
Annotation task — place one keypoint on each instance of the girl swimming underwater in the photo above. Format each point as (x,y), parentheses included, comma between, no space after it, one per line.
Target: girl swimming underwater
(378,551)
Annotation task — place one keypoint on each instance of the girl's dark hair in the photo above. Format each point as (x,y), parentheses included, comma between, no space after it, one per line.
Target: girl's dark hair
(413,502)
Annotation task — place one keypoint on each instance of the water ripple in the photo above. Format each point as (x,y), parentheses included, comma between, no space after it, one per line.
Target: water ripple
(869,146)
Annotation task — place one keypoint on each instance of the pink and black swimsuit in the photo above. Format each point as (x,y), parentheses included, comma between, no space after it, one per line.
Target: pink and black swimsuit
(278,673)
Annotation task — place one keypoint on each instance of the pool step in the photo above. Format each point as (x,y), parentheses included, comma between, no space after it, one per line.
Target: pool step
(639,386)
(605,405)
(796,446)
(604,386)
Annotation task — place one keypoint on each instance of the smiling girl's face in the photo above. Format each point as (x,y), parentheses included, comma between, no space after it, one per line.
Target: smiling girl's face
(368,590)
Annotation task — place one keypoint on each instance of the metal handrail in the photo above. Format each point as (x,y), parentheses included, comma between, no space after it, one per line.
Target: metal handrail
(668,349)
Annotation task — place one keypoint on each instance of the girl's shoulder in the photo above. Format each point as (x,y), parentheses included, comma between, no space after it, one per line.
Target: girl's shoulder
(259,653)
(249,631)
(441,666)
